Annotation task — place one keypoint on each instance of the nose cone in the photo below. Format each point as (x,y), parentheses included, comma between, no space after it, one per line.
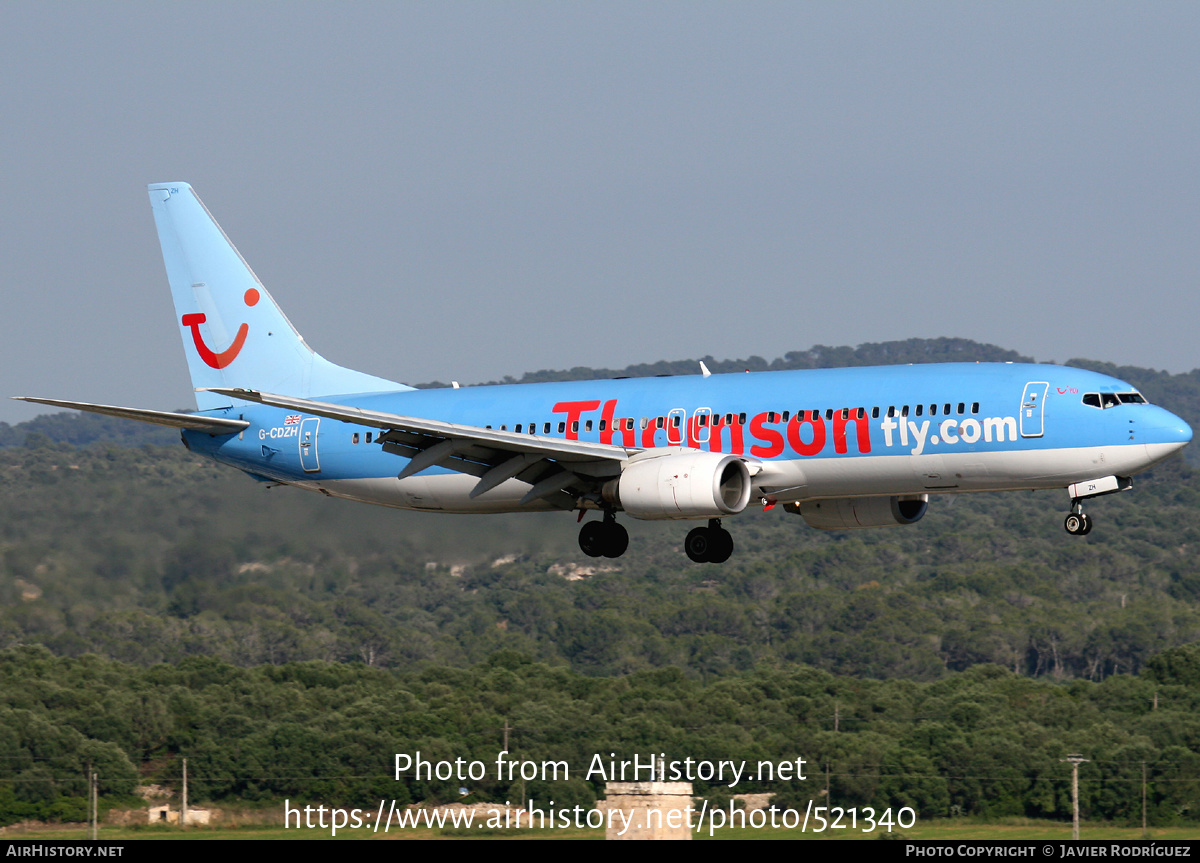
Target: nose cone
(1170,429)
(1164,434)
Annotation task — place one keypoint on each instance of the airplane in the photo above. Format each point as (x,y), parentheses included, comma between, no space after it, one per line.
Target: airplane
(844,449)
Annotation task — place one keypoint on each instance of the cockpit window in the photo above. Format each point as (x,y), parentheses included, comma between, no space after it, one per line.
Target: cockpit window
(1111,400)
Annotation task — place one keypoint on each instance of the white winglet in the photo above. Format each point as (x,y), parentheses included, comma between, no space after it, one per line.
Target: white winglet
(704,369)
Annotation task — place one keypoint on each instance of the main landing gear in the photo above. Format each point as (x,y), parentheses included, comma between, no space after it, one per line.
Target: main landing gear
(1078,524)
(604,538)
(711,544)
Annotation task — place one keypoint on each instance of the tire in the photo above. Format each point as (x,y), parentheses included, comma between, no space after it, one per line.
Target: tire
(616,540)
(592,538)
(698,544)
(1074,524)
(721,546)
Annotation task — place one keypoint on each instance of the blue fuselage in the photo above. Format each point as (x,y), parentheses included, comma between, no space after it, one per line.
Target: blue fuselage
(870,431)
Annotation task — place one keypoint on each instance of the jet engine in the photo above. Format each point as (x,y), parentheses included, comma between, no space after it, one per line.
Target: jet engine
(853,513)
(684,483)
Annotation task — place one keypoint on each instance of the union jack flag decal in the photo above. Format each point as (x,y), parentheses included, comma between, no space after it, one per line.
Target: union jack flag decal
(291,419)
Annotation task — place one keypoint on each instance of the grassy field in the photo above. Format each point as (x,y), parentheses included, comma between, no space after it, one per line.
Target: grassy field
(944,830)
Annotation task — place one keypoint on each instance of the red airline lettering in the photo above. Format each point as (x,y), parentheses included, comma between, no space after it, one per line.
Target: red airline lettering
(736,446)
(608,426)
(859,418)
(772,439)
(573,410)
(818,433)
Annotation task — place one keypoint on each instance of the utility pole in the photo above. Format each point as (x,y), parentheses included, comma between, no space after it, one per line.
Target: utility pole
(183,805)
(95,805)
(836,716)
(1075,759)
(828,792)
(1144,834)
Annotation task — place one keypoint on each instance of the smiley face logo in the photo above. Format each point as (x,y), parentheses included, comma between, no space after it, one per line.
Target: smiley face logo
(223,358)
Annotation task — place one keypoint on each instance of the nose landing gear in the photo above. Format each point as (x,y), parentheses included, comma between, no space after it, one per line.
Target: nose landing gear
(711,544)
(1077,523)
(604,538)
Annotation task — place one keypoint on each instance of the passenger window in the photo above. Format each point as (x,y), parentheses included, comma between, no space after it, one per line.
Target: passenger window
(962,408)
(575,425)
(891,410)
(354,438)
(675,421)
(785,416)
(829,413)
(659,422)
(368,437)
(974,407)
(518,428)
(503,428)
(933,410)
(533,428)
(603,423)
(860,413)
(645,422)
(588,425)
(875,413)
(562,427)
(919,409)
(545,428)
(904,411)
(946,410)
(770,416)
(741,419)
(845,413)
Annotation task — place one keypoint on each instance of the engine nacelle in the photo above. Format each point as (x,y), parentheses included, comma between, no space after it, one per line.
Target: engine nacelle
(683,483)
(855,513)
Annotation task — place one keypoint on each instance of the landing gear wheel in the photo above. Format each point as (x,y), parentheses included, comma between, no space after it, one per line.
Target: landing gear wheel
(697,544)
(603,538)
(1077,524)
(721,546)
(711,544)
(616,539)
(592,538)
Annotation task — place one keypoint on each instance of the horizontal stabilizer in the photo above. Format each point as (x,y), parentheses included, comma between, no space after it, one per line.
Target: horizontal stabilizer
(194,422)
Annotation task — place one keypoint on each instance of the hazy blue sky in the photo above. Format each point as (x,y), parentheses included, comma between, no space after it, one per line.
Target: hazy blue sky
(468,190)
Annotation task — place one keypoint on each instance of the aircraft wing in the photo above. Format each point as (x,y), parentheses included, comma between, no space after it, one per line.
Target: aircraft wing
(549,465)
(193,422)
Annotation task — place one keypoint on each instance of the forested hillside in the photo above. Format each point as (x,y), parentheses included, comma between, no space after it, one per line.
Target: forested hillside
(149,555)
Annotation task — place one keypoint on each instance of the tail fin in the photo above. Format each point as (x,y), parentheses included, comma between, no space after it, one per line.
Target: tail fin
(234,335)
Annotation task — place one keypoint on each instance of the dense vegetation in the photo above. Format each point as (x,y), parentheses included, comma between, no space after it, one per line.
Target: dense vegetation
(984,742)
(151,555)
(961,656)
